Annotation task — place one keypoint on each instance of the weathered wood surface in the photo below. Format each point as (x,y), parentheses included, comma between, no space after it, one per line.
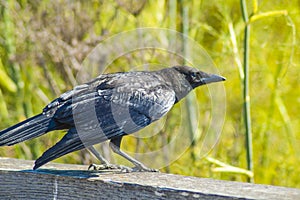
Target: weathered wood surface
(61,181)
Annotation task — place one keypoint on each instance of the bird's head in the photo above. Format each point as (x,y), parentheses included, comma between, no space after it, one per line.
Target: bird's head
(196,77)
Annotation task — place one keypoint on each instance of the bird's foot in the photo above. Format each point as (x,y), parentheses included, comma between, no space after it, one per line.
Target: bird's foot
(143,168)
(139,168)
(101,167)
(109,167)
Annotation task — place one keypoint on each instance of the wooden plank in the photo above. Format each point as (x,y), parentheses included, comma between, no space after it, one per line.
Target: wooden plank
(61,181)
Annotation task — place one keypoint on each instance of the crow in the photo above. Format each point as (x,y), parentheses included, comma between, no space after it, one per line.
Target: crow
(108,108)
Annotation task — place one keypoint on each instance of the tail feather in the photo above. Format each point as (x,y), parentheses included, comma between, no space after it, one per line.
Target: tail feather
(69,143)
(28,129)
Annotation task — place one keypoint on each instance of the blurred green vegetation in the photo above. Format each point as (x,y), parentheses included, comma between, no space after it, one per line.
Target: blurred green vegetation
(42,44)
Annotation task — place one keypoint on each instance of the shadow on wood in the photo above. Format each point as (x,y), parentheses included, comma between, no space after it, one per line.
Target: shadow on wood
(61,181)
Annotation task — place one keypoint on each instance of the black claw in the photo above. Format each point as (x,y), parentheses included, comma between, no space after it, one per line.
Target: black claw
(92,166)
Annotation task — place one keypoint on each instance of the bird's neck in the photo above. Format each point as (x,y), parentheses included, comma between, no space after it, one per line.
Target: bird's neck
(177,82)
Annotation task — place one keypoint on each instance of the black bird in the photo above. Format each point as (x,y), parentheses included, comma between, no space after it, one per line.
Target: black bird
(108,108)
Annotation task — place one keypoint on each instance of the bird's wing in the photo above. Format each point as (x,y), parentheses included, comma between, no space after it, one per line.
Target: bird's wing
(125,102)
(138,107)
(118,110)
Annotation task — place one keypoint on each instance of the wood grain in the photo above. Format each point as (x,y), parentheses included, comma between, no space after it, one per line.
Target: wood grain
(64,181)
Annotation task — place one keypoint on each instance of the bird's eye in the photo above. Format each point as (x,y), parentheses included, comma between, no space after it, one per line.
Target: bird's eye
(194,76)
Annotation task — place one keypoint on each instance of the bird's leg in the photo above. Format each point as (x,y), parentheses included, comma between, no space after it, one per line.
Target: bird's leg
(115,146)
(98,155)
(104,163)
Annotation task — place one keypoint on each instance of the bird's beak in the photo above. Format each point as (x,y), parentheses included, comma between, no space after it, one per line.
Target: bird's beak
(212,78)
